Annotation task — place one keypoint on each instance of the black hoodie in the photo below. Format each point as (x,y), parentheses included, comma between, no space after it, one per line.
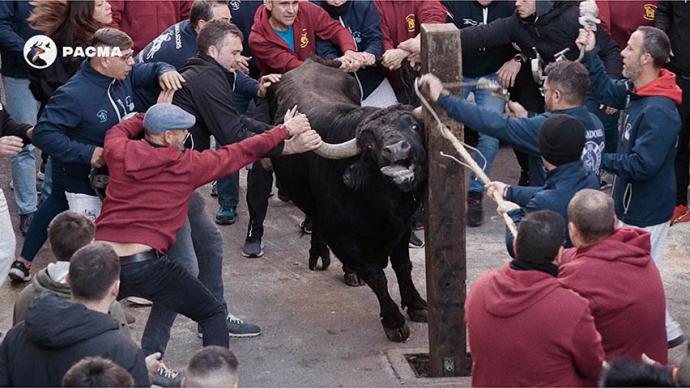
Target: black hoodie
(56,335)
(553,27)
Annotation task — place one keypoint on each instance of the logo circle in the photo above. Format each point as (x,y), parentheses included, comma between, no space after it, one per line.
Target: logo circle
(40,51)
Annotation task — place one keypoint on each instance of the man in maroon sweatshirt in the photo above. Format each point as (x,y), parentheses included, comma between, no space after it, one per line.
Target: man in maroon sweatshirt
(284,35)
(151,181)
(607,267)
(524,328)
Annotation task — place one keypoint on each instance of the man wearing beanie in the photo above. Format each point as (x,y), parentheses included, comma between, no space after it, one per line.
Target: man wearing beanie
(552,340)
(565,90)
(151,181)
(561,140)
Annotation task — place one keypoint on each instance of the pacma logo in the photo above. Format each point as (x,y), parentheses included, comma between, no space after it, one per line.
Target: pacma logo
(40,51)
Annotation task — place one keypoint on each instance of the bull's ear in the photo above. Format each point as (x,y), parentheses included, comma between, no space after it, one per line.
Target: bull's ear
(356,176)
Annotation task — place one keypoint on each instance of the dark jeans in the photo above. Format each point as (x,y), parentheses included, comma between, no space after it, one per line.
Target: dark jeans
(199,250)
(168,284)
(54,204)
(683,153)
(229,191)
(259,185)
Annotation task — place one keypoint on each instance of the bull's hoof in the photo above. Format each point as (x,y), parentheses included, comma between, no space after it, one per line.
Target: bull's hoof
(314,261)
(400,334)
(418,315)
(352,280)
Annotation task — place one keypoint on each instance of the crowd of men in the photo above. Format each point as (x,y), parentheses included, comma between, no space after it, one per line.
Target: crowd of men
(175,100)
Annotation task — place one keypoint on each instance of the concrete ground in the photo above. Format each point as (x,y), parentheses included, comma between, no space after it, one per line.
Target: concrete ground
(316,330)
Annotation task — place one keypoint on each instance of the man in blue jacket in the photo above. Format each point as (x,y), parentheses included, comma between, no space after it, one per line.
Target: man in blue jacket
(561,140)
(644,190)
(499,63)
(20,103)
(73,124)
(565,89)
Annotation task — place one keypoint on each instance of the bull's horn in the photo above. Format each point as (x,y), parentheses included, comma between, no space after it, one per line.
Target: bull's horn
(344,150)
(417,113)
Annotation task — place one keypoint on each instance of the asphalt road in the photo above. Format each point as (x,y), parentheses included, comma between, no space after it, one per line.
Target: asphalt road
(316,330)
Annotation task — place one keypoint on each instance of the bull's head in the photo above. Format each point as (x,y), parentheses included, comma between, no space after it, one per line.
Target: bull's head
(389,141)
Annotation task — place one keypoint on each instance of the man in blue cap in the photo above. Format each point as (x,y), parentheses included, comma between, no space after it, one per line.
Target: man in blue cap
(151,181)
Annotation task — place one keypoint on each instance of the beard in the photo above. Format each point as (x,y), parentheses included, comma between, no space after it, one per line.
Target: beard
(633,71)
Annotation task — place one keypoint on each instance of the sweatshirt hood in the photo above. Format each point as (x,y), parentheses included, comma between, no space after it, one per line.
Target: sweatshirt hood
(513,291)
(664,86)
(143,160)
(45,279)
(56,323)
(543,7)
(627,245)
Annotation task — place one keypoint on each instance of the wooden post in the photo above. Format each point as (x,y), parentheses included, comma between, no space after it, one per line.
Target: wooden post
(446,270)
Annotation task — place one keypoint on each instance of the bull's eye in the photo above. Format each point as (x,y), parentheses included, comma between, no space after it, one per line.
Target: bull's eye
(370,147)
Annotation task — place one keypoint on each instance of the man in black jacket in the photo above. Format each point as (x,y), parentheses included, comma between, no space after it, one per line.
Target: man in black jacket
(208,95)
(57,333)
(673,18)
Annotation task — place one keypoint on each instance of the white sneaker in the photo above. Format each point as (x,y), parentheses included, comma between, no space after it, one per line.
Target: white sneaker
(139,301)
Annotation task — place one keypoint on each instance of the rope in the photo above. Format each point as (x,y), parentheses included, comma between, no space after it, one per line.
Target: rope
(462,150)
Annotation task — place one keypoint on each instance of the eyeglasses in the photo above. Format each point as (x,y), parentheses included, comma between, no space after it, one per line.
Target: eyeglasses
(127,57)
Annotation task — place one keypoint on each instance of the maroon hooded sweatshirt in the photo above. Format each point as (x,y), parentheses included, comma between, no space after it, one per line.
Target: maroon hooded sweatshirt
(271,52)
(621,18)
(143,21)
(525,329)
(618,277)
(149,189)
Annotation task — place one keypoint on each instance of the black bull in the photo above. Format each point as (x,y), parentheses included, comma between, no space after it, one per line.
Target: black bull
(362,203)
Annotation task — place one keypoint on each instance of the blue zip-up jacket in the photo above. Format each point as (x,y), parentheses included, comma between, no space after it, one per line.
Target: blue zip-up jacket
(523,133)
(77,116)
(561,185)
(243,12)
(644,191)
(175,46)
(14,31)
(364,22)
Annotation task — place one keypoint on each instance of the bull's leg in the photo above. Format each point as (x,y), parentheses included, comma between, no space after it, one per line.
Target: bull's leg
(392,320)
(318,249)
(409,296)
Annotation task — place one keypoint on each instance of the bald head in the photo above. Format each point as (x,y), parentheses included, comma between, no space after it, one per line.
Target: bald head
(591,217)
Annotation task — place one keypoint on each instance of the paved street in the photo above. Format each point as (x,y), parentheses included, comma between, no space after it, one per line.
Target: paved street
(319,332)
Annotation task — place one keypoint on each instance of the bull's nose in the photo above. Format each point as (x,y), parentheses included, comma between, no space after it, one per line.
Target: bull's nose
(397,151)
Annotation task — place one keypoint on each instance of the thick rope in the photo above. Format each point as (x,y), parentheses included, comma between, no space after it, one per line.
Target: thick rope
(469,162)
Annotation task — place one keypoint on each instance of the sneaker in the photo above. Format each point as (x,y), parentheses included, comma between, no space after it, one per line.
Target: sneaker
(19,271)
(236,328)
(226,216)
(253,248)
(672,343)
(240,328)
(306,225)
(475,211)
(135,300)
(681,213)
(25,222)
(415,241)
(167,377)
(214,189)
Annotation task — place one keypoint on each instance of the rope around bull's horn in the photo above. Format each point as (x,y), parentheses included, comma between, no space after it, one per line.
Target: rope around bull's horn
(469,162)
